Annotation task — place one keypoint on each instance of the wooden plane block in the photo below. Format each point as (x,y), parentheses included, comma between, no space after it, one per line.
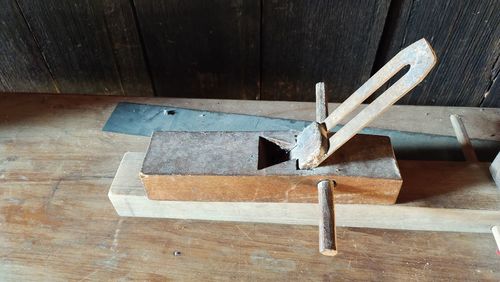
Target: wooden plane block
(129,199)
(241,167)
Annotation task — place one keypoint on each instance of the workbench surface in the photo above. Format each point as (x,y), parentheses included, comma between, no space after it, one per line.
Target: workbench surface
(57,223)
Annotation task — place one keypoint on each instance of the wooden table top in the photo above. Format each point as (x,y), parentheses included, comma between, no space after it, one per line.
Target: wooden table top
(56,221)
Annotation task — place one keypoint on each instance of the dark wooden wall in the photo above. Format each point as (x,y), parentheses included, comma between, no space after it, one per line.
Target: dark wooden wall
(246,49)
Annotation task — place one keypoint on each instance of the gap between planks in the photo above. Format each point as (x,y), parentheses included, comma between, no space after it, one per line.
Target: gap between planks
(129,199)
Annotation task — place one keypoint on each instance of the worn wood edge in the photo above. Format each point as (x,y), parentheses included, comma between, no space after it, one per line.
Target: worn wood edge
(129,199)
(373,191)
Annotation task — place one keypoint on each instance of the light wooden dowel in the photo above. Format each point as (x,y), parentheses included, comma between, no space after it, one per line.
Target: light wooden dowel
(321,103)
(496,234)
(463,138)
(327,232)
(495,170)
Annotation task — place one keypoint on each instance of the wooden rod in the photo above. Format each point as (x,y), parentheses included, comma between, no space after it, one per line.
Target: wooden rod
(321,103)
(495,170)
(496,234)
(463,138)
(327,232)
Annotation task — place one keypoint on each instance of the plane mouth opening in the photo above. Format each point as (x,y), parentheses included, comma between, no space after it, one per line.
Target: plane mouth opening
(272,152)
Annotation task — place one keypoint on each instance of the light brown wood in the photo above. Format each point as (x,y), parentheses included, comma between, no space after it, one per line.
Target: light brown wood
(327,231)
(454,185)
(56,167)
(463,138)
(183,166)
(430,212)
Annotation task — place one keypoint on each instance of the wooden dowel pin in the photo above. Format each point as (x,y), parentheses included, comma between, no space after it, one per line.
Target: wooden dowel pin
(496,234)
(321,103)
(495,169)
(327,235)
(327,232)
(463,138)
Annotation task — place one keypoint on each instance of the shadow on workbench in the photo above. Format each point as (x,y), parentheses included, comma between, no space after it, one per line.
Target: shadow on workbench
(447,185)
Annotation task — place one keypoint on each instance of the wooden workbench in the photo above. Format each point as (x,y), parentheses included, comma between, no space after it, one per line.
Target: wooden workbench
(56,221)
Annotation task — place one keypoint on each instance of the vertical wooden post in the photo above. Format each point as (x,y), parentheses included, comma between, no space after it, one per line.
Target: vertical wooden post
(463,138)
(327,232)
(321,103)
(496,234)
(495,170)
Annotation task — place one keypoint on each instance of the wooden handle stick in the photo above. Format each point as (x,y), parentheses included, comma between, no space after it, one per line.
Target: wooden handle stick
(496,233)
(495,169)
(327,232)
(463,138)
(321,103)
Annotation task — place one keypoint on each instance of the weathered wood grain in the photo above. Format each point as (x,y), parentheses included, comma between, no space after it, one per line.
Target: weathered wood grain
(202,48)
(127,48)
(213,48)
(492,96)
(22,67)
(321,102)
(56,167)
(464,35)
(224,166)
(79,40)
(330,41)
(129,199)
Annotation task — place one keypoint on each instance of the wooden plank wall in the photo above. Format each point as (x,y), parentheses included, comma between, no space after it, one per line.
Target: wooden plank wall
(246,49)
(202,48)
(466,38)
(305,42)
(87,46)
(22,66)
